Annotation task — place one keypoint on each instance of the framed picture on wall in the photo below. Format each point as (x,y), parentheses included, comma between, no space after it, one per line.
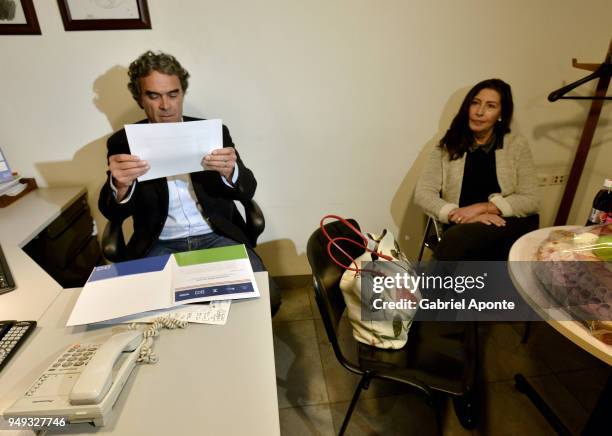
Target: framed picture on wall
(18,17)
(104,14)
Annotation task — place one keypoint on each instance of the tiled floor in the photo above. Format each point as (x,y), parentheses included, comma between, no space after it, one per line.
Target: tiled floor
(314,391)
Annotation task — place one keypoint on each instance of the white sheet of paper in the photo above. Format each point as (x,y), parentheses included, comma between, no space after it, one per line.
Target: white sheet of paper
(174,148)
(215,312)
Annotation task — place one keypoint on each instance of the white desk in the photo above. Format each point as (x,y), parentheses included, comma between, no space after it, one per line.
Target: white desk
(217,380)
(19,223)
(213,380)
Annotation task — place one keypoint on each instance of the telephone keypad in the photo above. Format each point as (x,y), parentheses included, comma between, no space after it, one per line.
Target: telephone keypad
(71,361)
(76,356)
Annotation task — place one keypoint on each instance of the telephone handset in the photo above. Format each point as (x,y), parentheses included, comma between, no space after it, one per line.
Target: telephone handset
(96,379)
(84,381)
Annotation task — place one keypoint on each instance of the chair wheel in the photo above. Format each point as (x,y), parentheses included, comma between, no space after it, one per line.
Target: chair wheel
(466,409)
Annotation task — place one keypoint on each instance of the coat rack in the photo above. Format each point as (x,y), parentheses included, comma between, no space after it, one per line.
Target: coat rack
(602,72)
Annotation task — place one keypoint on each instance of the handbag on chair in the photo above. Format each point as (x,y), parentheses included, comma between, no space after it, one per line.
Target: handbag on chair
(365,291)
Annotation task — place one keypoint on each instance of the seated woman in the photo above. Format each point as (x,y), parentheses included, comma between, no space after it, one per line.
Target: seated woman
(480,179)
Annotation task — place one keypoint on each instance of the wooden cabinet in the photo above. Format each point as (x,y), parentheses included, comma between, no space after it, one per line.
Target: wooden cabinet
(67,249)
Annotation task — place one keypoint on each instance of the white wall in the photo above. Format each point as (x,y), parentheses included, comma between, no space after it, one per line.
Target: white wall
(333,104)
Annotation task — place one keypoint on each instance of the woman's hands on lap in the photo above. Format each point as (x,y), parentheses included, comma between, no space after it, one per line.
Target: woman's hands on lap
(485,213)
(488,219)
(464,214)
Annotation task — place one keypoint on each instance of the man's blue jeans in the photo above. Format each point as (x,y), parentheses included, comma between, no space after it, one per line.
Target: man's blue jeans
(212,240)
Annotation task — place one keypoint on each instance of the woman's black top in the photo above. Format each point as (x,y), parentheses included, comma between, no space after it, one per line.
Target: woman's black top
(479,174)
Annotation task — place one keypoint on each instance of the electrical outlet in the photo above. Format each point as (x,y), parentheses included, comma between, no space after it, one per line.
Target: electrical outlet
(545,179)
(558,179)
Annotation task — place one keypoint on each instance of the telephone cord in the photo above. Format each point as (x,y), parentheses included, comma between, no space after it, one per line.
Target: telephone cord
(146,354)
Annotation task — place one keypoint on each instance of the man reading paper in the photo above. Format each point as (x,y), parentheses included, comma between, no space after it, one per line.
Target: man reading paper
(184,212)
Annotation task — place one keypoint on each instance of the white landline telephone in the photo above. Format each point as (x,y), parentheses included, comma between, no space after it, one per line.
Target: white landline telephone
(83,383)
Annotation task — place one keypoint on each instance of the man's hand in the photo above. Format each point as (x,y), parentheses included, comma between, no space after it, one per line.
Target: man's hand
(221,160)
(488,219)
(125,168)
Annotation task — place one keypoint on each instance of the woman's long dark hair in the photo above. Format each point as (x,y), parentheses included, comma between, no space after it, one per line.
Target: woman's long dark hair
(459,137)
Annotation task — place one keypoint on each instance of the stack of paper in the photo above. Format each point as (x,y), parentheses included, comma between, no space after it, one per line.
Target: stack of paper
(12,187)
(7,186)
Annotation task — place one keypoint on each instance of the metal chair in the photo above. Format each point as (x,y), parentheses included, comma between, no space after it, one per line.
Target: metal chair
(113,242)
(431,237)
(440,357)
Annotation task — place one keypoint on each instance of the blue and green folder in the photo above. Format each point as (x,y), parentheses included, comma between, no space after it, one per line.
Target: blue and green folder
(161,282)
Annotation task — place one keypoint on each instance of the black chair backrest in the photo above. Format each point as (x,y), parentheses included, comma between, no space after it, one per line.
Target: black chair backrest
(327,275)
(113,242)
(254,220)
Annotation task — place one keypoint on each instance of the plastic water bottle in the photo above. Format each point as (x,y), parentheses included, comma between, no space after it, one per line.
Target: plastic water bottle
(602,205)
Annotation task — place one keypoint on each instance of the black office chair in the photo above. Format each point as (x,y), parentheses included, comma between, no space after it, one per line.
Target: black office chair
(439,356)
(113,242)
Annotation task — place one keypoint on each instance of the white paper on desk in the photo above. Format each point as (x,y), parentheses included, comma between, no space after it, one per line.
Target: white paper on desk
(174,148)
(161,282)
(213,312)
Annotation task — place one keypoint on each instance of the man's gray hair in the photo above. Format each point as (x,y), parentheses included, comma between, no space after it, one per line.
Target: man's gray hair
(160,62)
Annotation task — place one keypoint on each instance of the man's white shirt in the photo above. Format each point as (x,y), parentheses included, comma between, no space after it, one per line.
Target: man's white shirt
(185,216)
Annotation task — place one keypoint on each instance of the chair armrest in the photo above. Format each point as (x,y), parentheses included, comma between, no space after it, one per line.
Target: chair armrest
(437,226)
(113,243)
(255,221)
(431,236)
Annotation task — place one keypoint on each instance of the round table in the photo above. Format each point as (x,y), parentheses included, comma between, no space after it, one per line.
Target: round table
(529,288)
(522,252)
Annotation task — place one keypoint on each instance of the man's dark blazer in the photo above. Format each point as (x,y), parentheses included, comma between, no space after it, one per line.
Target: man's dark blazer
(149,202)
